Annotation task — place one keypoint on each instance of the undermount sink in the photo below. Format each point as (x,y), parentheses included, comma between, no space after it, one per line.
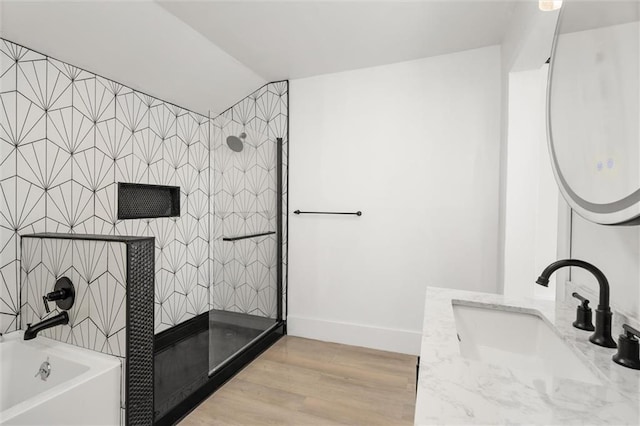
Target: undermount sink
(521,341)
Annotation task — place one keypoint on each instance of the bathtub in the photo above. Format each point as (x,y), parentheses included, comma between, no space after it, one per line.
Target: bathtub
(83,387)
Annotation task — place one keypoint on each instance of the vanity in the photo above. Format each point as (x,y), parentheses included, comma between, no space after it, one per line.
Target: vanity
(491,359)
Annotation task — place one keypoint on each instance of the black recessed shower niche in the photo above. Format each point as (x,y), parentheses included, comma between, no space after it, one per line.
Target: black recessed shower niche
(140,201)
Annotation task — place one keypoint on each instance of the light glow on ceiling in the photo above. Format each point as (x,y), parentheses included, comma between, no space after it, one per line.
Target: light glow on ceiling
(549,5)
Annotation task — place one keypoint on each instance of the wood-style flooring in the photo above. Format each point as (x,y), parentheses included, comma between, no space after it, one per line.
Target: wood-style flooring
(307,382)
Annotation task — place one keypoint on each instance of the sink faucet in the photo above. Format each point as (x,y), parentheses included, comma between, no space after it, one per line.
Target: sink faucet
(32,330)
(602,334)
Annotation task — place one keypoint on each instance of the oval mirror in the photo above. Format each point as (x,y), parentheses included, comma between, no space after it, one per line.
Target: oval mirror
(593,115)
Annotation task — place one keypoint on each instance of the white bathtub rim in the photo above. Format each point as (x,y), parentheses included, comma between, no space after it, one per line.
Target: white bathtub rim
(98,363)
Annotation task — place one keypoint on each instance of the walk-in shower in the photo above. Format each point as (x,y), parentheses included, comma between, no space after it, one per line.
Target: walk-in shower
(247,235)
(247,255)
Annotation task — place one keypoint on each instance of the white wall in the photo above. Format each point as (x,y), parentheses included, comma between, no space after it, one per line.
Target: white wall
(531,233)
(526,45)
(616,251)
(415,146)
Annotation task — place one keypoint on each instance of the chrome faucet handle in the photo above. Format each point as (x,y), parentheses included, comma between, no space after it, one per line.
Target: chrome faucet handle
(44,371)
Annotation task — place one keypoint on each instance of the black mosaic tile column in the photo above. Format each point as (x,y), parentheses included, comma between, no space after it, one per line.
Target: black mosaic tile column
(140,336)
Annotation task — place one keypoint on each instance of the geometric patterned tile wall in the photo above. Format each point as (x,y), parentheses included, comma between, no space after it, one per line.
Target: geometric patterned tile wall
(67,137)
(244,202)
(97,269)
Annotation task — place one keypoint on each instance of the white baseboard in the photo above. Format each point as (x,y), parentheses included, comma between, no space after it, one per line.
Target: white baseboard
(386,339)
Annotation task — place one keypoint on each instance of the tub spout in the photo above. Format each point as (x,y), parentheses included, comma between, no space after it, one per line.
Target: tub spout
(32,330)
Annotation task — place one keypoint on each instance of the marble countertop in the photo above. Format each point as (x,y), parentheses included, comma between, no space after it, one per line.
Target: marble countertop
(456,390)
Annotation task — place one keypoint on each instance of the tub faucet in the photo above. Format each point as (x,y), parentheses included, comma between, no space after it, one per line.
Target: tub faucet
(602,334)
(32,330)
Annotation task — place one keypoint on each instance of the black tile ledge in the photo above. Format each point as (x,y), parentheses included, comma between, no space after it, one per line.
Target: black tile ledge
(92,237)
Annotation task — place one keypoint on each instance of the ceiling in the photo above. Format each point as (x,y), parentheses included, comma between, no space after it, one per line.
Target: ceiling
(137,43)
(295,39)
(207,55)
(581,16)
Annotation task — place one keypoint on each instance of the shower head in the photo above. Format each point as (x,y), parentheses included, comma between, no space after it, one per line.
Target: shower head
(236,143)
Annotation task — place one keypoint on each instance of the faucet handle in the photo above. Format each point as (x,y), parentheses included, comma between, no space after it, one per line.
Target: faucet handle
(628,354)
(631,332)
(53,296)
(583,314)
(585,301)
(46,304)
(63,294)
